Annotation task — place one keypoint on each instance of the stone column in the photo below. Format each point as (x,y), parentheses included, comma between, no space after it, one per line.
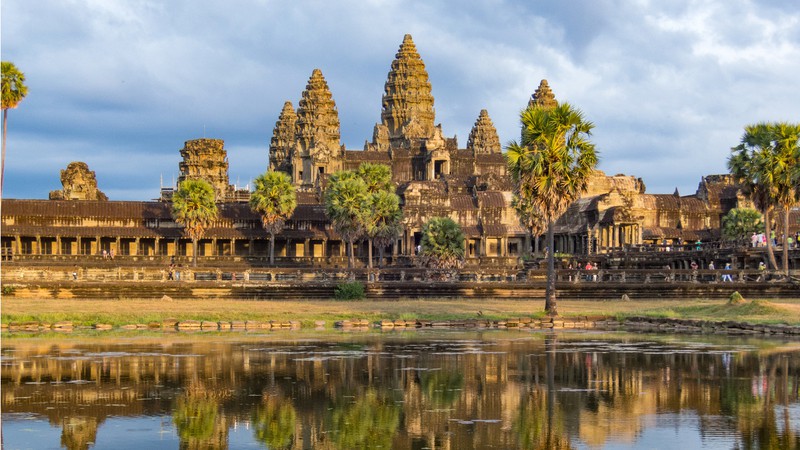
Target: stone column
(250,246)
(38,245)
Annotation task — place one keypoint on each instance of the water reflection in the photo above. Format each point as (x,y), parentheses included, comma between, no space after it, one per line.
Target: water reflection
(402,390)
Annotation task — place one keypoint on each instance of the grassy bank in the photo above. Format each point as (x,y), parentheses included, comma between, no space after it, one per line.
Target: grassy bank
(122,312)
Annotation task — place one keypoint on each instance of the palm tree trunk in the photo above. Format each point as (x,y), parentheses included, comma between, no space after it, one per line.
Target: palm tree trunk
(768,231)
(3,164)
(535,244)
(369,253)
(194,252)
(550,291)
(272,249)
(786,240)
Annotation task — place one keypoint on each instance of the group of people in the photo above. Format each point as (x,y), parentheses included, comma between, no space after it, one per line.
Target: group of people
(108,254)
(174,273)
(760,240)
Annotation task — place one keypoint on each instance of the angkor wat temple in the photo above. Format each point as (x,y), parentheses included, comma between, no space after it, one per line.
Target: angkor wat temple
(434,177)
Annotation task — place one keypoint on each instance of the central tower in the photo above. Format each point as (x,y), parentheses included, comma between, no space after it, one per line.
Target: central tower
(407,105)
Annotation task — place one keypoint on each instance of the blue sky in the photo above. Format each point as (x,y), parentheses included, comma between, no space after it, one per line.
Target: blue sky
(121,84)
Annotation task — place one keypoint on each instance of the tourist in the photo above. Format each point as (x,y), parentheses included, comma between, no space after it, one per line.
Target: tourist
(698,245)
(693,265)
(105,254)
(754,239)
(171,272)
(711,265)
(727,276)
(762,271)
(111,254)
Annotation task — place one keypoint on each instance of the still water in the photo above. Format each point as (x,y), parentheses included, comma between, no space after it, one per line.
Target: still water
(400,390)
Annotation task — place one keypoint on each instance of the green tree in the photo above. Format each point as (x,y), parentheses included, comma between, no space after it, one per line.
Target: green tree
(740,223)
(783,167)
(550,169)
(442,243)
(383,217)
(766,162)
(194,417)
(346,205)
(383,221)
(193,207)
(274,199)
(14,90)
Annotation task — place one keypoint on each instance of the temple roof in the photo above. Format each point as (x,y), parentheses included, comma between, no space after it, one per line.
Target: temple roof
(407,100)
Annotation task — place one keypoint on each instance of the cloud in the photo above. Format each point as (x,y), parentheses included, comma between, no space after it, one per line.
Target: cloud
(121,84)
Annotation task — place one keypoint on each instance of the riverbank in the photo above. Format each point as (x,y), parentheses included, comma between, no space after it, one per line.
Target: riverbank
(309,313)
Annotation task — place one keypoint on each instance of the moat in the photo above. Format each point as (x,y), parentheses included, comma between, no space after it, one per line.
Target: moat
(403,390)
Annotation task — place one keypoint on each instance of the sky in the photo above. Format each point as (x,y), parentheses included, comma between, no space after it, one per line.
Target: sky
(122,84)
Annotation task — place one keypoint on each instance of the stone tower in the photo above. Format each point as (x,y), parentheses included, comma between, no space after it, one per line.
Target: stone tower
(79,183)
(543,96)
(408,111)
(206,159)
(483,138)
(282,143)
(317,150)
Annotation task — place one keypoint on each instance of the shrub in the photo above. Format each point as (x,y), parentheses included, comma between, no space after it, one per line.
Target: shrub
(353,290)
(736,299)
(9,290)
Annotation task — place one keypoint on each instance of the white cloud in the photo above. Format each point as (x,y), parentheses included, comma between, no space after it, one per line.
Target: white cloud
(669,85)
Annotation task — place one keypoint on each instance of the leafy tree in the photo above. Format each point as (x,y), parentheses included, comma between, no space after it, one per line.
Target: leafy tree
(275,200)
(767,162)
(550,169)
(442,243)
(14,90)
(193,207)
(740,223)
(384,221)
(346,205)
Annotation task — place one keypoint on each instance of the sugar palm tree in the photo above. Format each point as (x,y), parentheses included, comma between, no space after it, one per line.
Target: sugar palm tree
(346,204)
(382,221)
(747,165)
(193,207)
(443,243)
(14,90)
(550,169)
(274,199)
(782,172)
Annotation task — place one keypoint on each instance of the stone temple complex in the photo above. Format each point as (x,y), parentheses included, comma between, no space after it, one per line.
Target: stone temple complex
(433,176)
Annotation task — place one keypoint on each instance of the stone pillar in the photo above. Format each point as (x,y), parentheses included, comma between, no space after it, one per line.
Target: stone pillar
(250,246)
(18,241)
(38,245)
(214,248)
(157,246)
(306,248)
(137,248)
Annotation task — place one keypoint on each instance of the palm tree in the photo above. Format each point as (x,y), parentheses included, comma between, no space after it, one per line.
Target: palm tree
(783,169)
(346,204)
(275,200)
(193,207)
(765,171)
(14,90)
(550,169)
(382,222)
(443,243)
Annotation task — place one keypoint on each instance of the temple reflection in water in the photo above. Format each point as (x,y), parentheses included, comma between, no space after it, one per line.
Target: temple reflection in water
(407,391)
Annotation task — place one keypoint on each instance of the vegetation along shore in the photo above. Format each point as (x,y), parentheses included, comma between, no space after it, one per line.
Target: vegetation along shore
(310,313)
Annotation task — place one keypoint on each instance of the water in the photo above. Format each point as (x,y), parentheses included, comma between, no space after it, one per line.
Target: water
(401,390)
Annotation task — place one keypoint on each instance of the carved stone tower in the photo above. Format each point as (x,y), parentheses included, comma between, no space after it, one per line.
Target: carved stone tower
(543,96)
(282,143)
(206,159)
(318,150)
(483,138)
(79,183)
(407,100)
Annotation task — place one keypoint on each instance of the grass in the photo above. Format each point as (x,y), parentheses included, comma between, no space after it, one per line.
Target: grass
(122,312)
